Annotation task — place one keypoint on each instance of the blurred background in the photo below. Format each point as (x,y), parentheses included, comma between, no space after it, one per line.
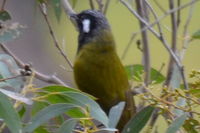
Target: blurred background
(35,45)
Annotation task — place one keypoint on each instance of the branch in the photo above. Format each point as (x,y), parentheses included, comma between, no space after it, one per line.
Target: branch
(91,4)
(146,54)
(67,7)
(42,9)
(128,45)
(159,6)
(100,4)
(106,7)
(166,13)
(185,31)
(173,42)
(160,37)
(178,14)
(3,4)
(9,78)
(46,78)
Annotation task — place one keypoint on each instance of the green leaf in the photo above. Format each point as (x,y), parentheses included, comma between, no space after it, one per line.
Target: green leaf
(22,111)
(41,129)
(176,124)
(136,72)
(191,126)
(68,126)
(4,15)
(37,106)
(58,88)
(17,96)
(195,92)
(196,35)
(74,96)
(57,8)
(10,32)
(136,123)
(46,114)
(115,114)
(9,115)
(95,110)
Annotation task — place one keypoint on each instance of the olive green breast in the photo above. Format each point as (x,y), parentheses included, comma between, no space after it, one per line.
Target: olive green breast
(99,72)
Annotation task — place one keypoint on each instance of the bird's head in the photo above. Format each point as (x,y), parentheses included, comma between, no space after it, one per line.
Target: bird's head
(92,25)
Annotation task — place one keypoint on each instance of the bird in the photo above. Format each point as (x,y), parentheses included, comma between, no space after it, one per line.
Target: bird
(97,67)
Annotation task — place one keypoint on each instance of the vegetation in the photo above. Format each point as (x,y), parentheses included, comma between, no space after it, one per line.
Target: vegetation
(59,108)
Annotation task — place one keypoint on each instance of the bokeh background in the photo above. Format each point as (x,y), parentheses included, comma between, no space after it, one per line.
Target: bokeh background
(35,45)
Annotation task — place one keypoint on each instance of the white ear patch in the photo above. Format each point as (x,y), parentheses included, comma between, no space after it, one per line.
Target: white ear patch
(86,25)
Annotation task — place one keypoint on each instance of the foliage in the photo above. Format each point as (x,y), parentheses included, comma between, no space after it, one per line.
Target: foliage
(62,109)
(136,72)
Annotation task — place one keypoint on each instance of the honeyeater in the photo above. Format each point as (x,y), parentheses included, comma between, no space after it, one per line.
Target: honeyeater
(97,67)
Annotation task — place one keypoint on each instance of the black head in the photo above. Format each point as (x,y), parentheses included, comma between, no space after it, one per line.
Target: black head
(90,24)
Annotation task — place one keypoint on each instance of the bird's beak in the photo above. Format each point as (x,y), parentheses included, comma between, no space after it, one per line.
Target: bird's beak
(74,19)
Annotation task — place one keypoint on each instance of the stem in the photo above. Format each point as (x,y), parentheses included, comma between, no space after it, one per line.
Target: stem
(106,7)
(146,54)
(174,44)
(160,37)
(178,14)
(185,31)
(159,6)
(67,7)
(46,78)
(128,45)
(91,4)
(3,5)
(54,37)
(13,77)
(100,4)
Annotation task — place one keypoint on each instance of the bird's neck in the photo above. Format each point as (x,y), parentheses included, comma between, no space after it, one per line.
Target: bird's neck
(102,40)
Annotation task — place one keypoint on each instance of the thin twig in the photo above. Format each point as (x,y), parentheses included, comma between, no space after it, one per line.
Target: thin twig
(160,37)
(146,53)
(106,7)
(3,5)
(91,4)
(9,78)
(166,13)
(178,14)
(173,44)
(159,6)
(100,4)
(67,7)
(173,105)
(54,37)
(185,31)
(128,45)
(46,78)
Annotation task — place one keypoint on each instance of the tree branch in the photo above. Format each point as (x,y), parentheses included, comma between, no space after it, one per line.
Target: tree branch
(178,13)
(173,43)
(91,4)
(106,7)
(67,7)
(100,4)
(146,53)
(42,9)
(9,78)
(3,4)
(46,78)
(185,31)
(160,37)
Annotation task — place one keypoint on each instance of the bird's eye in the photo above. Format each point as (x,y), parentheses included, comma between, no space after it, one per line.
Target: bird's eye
(86,25)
